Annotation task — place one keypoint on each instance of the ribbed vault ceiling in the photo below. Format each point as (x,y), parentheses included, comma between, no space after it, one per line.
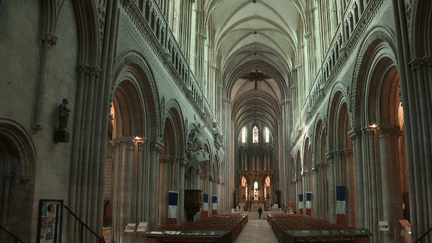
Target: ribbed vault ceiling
(253,36)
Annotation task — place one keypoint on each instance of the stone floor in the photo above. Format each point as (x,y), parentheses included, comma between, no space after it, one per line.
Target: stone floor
(254,215)
(257,231)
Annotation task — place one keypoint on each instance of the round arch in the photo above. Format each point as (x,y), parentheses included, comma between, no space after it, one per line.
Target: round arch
(378,42)
(132,64)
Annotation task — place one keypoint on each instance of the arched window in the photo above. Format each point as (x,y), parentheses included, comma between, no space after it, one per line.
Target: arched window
(247,192)
(244,135)
(255,134)
(256,191)
(243,182)
(266,135)
(267,181)
(266,185)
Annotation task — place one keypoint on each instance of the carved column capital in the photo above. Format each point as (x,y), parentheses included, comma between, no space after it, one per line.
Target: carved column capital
(329,156)
(94,71)
(127,141)
(174,159)
(384,130)
(417,64)
(156,147)
(182,162)
(370,130)
(24,179)
(8,179)
(82,70)
(164,158)
(348,153)
(354,134)
(48,40)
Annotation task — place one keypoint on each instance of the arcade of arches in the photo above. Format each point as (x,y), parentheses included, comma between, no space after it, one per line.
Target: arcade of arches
(311,107)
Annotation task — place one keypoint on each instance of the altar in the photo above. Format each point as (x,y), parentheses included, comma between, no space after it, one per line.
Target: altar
(255,206)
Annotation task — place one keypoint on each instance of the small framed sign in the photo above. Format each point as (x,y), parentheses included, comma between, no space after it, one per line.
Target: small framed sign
(50,221)
(142,227)
(383,226)
(130,228)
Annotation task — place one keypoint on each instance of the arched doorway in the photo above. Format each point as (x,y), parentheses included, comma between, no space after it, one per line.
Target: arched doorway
(17,159)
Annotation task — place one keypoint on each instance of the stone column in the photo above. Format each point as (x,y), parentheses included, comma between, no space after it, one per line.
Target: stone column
(323,190)
(156,148)
(211,192)
(315,198)
(122,188)
(374,208)
(163,188)
(351,199)
(181,188)
(358,173)
(175,173)
(331,189)
(139,181)
(48,40)
(146,180)
(390,204)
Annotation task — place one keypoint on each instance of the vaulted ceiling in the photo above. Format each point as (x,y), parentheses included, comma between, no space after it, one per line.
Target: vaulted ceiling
(251,36)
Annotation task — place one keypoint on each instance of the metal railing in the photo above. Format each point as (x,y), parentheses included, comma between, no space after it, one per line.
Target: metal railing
(7,237)
(82,226)
(423,236)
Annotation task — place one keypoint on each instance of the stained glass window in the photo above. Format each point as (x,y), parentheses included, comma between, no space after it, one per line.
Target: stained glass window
(247,194)
(243,181)
(255,134)
(244,135)
(267,134)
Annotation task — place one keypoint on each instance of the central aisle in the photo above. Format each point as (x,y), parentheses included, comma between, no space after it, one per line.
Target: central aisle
(257,231)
